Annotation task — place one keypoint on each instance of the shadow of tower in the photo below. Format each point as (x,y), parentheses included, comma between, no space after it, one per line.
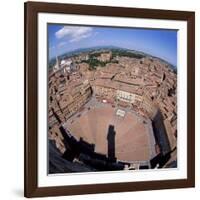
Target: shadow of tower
(111,143)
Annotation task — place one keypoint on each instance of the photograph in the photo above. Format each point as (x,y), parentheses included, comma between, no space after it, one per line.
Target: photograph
(109,99)
(112,98)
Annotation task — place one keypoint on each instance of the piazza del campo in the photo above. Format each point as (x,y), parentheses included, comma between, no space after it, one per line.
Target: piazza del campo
(111,109)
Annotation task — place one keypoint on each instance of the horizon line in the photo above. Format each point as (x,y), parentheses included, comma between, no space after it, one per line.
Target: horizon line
(112,46)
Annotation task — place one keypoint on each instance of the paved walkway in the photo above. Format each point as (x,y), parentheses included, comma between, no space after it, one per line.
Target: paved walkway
(134,139)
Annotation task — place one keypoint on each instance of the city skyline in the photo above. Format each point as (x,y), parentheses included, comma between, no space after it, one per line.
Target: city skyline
(156,42)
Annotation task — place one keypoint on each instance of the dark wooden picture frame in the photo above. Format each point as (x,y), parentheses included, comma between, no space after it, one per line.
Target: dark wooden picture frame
(32,9)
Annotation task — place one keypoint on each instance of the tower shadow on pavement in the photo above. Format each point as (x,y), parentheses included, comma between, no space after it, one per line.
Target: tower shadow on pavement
(111,143)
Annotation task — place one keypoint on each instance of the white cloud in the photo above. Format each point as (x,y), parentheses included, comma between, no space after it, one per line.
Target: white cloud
(96,33)
(61,44)
(103,41)
(74,33)
(52,47)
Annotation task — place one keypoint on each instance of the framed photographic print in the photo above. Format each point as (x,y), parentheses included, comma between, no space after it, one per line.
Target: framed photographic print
(109,99)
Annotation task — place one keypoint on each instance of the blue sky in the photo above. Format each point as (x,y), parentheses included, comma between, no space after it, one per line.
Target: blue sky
(157,42)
